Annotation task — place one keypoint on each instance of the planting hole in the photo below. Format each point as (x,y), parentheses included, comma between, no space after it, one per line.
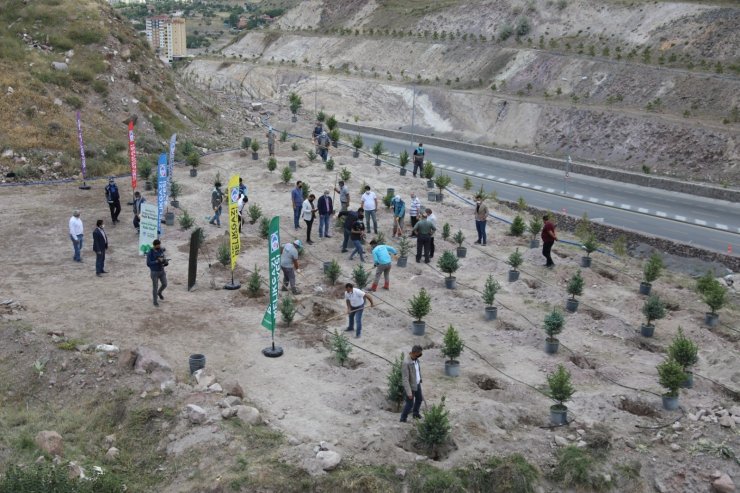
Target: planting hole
(582,362)
(503,325)
(606,274)
(532,283)
(645,346)
(486,383)
(594,314)
(638,408)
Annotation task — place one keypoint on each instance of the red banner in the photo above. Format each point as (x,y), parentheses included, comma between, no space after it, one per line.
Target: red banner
(132,153)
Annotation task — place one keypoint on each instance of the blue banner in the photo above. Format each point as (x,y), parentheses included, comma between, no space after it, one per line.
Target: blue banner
(161,188)
(171,162)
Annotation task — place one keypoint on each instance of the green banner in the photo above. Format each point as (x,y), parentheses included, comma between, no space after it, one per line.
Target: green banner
(273,250)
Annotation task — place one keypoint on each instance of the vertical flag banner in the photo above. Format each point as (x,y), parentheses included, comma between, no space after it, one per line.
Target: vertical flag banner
(132,153)
(234,236)
(161,185)
(273,250)
(148,227)
(82,146)
(171,161)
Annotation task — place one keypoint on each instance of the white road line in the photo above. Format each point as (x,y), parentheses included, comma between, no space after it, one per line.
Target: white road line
(578,196)
(480,174)
(626,206)
(513,182)
(679,218)
(460,170)
(643,210)
(537,187)
(550,190)
(502,179)
(525,184)
(700,222)
(608,202)
(491,177)
(721,226)
(661,214)
(593,199)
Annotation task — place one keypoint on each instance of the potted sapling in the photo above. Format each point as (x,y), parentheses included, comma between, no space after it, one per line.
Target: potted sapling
(685,353)
(590,244)
(334,136)
(442,182)
(403,161)
(459,238)
(452,346)
(428,172)
(419,307)
(561,390)
(448,264)
(295,104)
(489,294)
(653,309)
(554,322)
(671,376)
(403,251)
(175,191)
(575,288)
(715,297)
(651,272)
(145,171)
(255,147)
(515,260)
(357,143)
(193,160)
(534,227)
(377,151)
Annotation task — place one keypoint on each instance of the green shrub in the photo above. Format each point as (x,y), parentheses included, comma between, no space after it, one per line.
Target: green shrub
(186,221)
(345,174)
(420,305)
(517,227)
(311,154)
(224,254)
(561,389)
(705,282)
(85,36)
(395,392)
(255,146)
(434,428)
(287,310)
(378,149)
(360,276)
(683,350)
(286,174)
(429,479)
(254,212)
(554,323)
(715,297)
(333,272)
(329,164)
(515,259)
(321,116)
(448,263)
(254,283)
(573,468)
(505,32)
(671,376)
(246,142)
(459,238)
(341,347)
(334,135)
(404,246)
(653,267)
(75,102)
(284,136)
(294,146)
(590,244)
(535,226)
(442,182)
(508,474)
(264,227)
(331,122)
(357,142)
(37,478)
(193,159)
(446,231)
(490,289)
(403,158)
(428,170)
(653,309)
(452,345)
(467,183)
(575,285)
(271,164)
(175,190)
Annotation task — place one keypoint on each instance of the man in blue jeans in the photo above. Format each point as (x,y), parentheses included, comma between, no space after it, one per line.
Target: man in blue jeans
(76,234)
(296,197)
(355,299)
(156,261)
(217,199)
(411,376)
(350,218)
(326,210)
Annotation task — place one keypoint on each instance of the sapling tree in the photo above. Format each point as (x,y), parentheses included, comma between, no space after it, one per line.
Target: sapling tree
(671,376)
(357,142)
(653,309)
(333,271)
(560,387)
(715,296)
(255,146)
(515,259)
(287,310)
(404,246)
(428,170)
(193,160)
(590,244)
(264,228)
(535,226)
(403,158)
(254,212)
(224,254)
(554,322)
(420,305)
(360,276)
(175,190)
(311,155)
(331,122)
(705,282)
(652,268)
(517,226)
(334,135)
(186,220)
(341,347)
(459,238)
(329,164)
(286,174)
(467,183)
(345,174)
(448,263)
(446,230)
(254,282)
(490,289)
(395,392)
(452,345)
(271,164)
(442,182)
(434,429)
(575,285)
(295,102)
(683,350)
(145,167)
(378,149)
(284,136)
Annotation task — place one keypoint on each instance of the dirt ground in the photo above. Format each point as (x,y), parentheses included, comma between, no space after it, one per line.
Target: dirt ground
(493,407)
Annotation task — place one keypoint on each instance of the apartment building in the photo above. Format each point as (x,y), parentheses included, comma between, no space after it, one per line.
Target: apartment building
(167,36)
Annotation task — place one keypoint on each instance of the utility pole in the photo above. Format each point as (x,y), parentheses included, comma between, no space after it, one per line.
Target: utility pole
(413,115)
(316,95)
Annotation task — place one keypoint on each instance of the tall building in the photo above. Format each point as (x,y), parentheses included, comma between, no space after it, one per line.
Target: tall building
(167,36)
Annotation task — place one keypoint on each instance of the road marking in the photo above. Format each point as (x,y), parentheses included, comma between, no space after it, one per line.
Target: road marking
(550,190)
(460,170)
(578,196)
(721,226)
(643,210)
(593,199)
(679,218)
(661,214)
(700,222)
(608,202)
(525,184)
(480,174)
(513,182)
(538,187)
(491,177)
(502,179)
(626,206)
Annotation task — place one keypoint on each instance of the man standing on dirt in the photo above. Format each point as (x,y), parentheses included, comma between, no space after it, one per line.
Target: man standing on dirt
(343,192)
(549,237)
(399,213)
(76,235)
(370,206)
(308,212)
(481,216)
(350,218)
(322,145)
(317,129)
(419,159)
(414,210)
(326,210)
(138,200)
(432,219)
(355,299)
(383,262)
(156,262)
(114,199)
(411,376)
(424,231)
(217,199)
(100,245)
(296,197)
(289,265)
(270,141)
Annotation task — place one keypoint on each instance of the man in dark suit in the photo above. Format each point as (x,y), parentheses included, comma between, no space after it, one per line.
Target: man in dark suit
(100,245)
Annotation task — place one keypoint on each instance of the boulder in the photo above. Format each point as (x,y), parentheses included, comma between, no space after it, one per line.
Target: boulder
(723,484)
(204,378)
(233,388)
(216,387)
(75,471)
(328,459)
(112,454)
(727,421)
(125,53)
(248,415)
(228,412)
(735,410)
(196,414)
(562,442)
(149,360)
(232,400)
(50,442)
(60,66)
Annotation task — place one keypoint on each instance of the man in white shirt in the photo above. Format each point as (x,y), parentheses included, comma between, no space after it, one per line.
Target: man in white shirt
(432,219)
(414,211)
(370,205)
(355,299)
(240,204)
(75,234)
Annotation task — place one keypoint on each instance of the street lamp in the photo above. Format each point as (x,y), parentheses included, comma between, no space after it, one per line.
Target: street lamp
(567,137)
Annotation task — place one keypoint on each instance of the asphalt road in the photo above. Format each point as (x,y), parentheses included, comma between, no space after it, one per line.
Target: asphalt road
(709,223)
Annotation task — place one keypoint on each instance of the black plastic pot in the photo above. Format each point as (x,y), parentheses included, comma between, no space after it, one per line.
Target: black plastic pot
(193,173)
(401,262)
(418,328)
(552,346)
(571,305)
(558,415)
(689,382)
(197,361)
(148,185)
(430,183)
(175,203)
(255,156)
(390,191)
(534,243)
(432,196)
(450,282)
(711,319)
(440,197)
(647,330)
(326,267)
(670,403)
(645,288)
(462,252)
(169,218)
(294,119)
(491,313)
(513,275)
(452,368)
(292,165)
(334,143)
(403,171)
(377,161)
(356,154)
(586,262)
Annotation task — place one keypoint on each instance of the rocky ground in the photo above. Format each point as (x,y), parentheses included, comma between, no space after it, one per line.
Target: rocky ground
(494,405)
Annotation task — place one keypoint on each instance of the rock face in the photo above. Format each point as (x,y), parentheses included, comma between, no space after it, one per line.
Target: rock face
(196,414)
(328,459)
(148,360)
(723,484)
(50,442)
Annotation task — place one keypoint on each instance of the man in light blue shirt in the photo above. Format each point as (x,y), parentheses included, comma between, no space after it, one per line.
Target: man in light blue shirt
(382,260)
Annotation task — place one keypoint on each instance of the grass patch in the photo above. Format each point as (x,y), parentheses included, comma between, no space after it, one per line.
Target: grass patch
(576,469)
(70,345)
(48,478)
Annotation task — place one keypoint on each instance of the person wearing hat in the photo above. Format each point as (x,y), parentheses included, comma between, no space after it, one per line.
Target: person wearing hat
(114,199)
(76,234)
(325,205)
(411,376)
(289,264)
(270,141)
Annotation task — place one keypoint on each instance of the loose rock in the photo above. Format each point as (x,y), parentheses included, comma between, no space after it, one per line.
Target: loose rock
(149,360)
(723,484)
(229,412)
(59,66)
(112,454)
(234,389)
(727,422)
(50,442)
(328,459)
(196,414)
(248,414)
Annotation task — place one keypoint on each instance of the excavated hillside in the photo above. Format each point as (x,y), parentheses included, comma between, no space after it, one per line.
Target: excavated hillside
(646,87)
